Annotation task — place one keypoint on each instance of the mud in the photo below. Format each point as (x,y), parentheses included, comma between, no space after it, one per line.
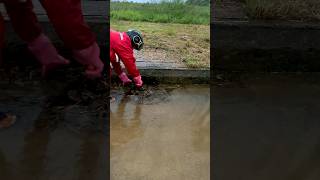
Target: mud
(163,133)
(61,127)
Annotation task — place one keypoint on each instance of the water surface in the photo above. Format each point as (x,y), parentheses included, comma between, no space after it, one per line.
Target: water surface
(163,136)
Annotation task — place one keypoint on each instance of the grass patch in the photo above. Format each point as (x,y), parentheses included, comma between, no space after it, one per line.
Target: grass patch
(165,12)
(184,43)
(302,10)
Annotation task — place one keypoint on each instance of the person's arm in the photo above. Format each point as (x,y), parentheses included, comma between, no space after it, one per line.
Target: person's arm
(118,69)
(127,57)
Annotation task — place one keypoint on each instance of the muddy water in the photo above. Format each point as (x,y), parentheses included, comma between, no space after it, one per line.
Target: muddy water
(266,127)
(53,138)
(163,136)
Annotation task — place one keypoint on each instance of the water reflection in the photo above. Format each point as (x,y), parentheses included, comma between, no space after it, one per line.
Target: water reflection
(125,122)
(5,167)
(166,136)
(34,157)
(42,145)
(201,120)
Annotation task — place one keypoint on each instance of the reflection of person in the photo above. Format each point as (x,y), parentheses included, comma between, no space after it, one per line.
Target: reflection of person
(121,46)
(67,19)
(122,124)
(6,120)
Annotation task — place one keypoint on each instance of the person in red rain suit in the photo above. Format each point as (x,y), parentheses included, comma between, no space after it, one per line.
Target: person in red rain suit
(67,20)
(121,48)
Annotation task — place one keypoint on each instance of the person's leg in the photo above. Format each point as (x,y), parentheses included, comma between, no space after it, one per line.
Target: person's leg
(68,21)
(26,25)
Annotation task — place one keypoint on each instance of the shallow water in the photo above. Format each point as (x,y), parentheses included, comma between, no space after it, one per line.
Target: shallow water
(64,141)
(60,133)
(165,135)
(266,126)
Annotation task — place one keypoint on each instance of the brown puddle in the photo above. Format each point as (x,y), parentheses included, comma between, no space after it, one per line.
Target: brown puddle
(164,136)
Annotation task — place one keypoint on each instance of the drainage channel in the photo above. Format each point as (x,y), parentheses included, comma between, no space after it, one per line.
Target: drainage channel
(162,133)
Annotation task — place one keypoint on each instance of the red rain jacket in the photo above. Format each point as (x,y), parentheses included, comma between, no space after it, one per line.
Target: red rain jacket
(120,45)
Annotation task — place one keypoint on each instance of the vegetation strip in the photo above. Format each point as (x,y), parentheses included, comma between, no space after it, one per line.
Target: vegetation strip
(164,12)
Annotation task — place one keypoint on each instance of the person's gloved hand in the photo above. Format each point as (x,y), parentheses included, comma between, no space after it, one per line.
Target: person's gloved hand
(138,82)
(46,54)
(90,57)
(124,78)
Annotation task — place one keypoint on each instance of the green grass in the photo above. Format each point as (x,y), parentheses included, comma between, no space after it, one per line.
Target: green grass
(304,10)
(164,12)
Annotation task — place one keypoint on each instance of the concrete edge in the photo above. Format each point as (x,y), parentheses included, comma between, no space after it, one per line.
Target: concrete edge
(174,76)
(225,77)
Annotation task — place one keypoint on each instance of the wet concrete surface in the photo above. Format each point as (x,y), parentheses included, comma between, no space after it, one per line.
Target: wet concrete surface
(57,135)
(266,127)
(162,136)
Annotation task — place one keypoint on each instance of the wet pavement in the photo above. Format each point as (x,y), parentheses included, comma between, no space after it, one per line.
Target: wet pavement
(55,136)
(266,127)
(162,136)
